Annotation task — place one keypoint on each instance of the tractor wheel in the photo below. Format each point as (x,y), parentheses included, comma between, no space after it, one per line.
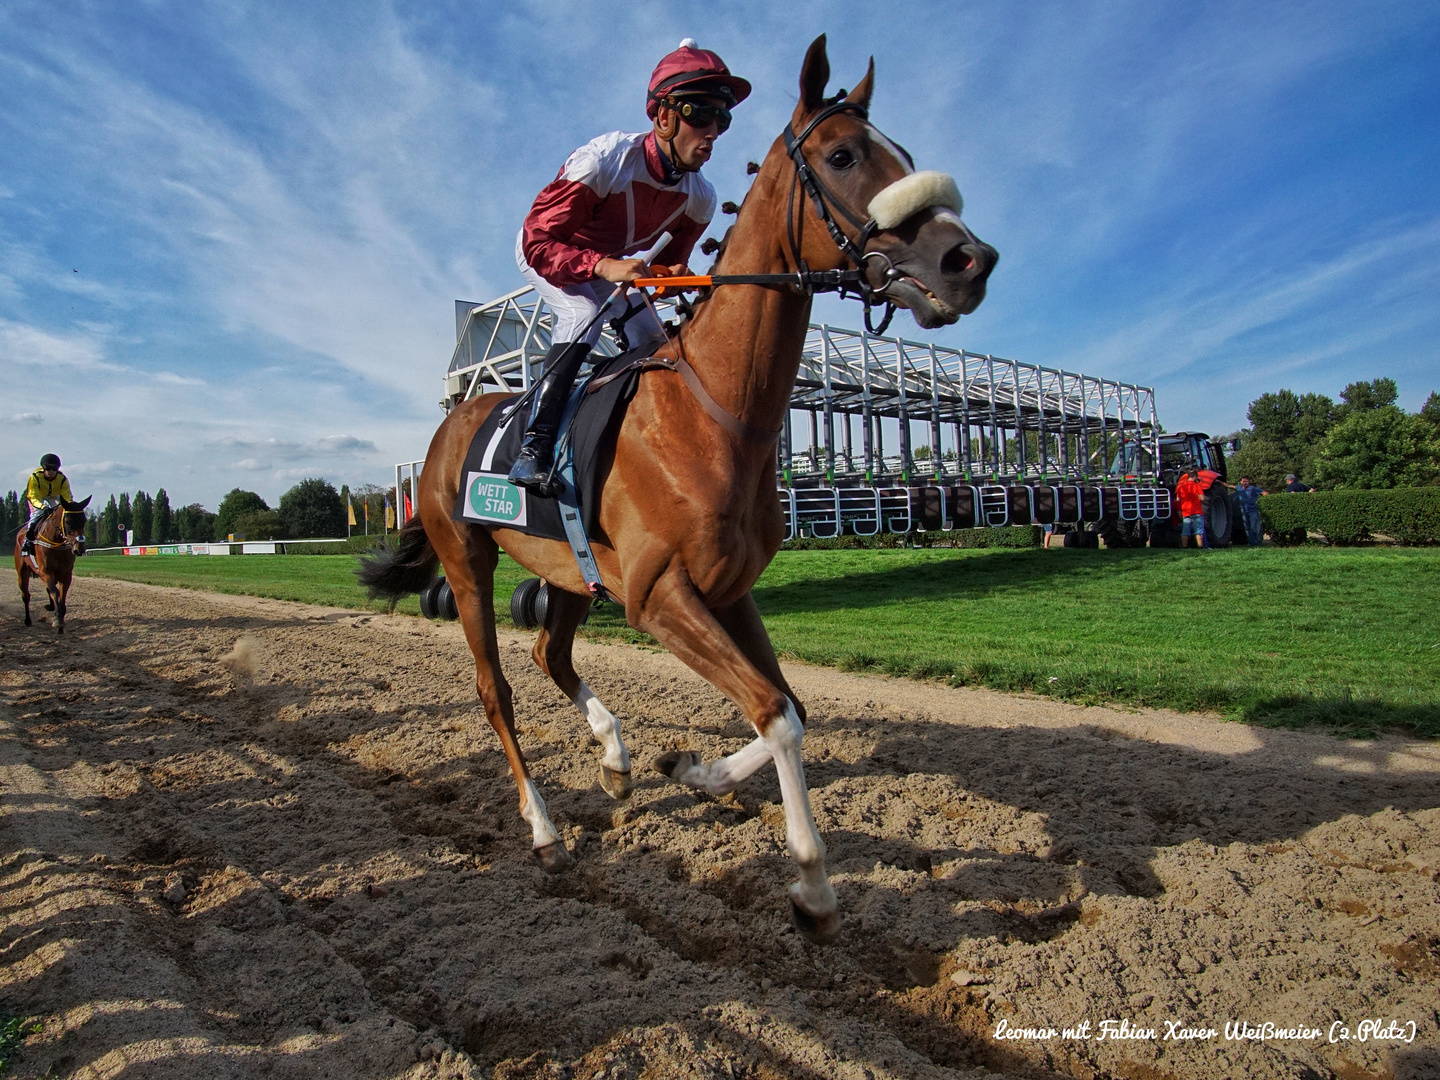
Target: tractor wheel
(445,606)
(522,604)
(1218,520)
(540,604)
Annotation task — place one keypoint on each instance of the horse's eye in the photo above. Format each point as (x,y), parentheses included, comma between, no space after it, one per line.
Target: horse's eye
(841,159)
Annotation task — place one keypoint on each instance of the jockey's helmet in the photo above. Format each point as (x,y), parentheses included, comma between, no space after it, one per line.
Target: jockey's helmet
(691,70)
(50,461)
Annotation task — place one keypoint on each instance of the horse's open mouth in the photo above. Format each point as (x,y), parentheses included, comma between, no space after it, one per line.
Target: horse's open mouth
(929,310)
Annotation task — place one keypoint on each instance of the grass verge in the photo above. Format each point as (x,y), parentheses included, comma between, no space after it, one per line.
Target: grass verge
(1343,639)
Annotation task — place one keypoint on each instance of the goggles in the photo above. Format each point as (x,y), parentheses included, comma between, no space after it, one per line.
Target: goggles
(700,114)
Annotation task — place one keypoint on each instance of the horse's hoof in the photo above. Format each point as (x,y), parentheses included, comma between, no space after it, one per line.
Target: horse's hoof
(617,785)
(27,620)
(60,629)
(676,762)
(816,929)
(50,606)
(554,858)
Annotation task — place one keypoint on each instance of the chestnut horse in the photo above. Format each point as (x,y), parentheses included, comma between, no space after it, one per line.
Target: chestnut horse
(689,516)
(54,560)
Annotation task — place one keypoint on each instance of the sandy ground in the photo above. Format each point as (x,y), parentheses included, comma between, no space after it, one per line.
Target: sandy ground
(317,869)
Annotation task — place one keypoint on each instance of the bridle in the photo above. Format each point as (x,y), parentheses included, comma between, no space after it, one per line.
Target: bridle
(849,282)
(63,539)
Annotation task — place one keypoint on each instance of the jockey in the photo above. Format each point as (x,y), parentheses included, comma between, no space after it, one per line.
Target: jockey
(614,197)
(47,489)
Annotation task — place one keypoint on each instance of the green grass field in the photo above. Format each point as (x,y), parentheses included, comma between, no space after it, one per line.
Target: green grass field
(1344,638)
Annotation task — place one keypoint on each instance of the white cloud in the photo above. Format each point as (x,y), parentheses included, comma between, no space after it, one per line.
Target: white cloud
(102,470)
(344,444)
(251,464)
(27,418)
(34,347)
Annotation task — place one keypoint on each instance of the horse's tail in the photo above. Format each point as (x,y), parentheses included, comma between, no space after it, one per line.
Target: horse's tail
(393,572)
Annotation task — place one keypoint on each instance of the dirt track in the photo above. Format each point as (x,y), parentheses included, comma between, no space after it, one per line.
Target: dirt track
(322,872)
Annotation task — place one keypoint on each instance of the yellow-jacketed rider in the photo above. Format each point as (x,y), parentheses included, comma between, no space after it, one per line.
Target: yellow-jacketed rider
(46,483)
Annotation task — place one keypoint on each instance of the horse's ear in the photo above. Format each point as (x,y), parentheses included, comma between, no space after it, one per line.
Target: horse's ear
(861,94)
(814,76)
(84,502)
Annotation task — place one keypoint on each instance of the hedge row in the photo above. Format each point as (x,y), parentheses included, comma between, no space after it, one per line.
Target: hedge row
(1015,536)
(1407,515)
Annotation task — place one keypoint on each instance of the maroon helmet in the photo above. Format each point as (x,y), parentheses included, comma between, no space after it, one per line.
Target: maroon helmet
(693,70)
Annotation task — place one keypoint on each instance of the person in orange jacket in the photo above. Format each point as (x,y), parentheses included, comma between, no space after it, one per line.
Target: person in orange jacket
(1191,497)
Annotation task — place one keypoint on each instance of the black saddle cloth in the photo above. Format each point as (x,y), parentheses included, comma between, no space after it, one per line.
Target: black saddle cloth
(592,434)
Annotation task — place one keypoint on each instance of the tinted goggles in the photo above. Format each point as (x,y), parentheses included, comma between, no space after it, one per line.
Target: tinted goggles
(701,114)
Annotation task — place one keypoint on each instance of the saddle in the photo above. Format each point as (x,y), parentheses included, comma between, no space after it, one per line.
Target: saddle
(585,445)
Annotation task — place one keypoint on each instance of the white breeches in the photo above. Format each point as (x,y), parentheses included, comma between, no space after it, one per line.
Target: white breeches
(572,306)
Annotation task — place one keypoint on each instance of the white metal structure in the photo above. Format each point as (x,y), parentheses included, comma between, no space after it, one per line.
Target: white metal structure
(979,416)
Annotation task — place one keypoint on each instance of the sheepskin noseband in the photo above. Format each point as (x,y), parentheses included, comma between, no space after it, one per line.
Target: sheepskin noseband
(909,195)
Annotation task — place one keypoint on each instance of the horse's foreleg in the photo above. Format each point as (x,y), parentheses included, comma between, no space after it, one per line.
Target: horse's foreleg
(25,590)
(553,654)
(469,562)
(674,614)
(61,589)
(741,621)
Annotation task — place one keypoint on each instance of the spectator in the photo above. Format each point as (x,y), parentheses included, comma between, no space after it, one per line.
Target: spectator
(1191,497)
(1292,483)
(1248,495)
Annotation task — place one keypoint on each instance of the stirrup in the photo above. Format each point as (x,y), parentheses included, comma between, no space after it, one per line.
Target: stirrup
(532,473)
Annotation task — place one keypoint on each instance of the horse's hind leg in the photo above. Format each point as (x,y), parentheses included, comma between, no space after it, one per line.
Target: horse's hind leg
(553,655)
(24,576)
(469,555)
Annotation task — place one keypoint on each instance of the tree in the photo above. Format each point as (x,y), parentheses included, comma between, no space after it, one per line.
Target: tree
(92,530)
(1364,396)
(257,525)
(1262,461)
(143,508)
(234,504)
(127,516)
(164,521)
(11,514)
(194,524)
(110,524)
(1431,410)
(1294,423)
(312,508)
(1382,447)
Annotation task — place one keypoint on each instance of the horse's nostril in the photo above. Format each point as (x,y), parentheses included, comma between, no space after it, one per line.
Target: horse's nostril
(959,260)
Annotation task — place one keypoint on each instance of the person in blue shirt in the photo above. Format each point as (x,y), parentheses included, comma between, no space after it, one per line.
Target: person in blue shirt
(1248,495)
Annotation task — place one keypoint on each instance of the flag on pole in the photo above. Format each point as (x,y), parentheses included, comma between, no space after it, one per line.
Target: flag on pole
(409,509)
(389,514)
(352,513)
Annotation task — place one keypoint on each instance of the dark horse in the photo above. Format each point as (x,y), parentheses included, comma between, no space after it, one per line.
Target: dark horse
(690,517)
(54,560)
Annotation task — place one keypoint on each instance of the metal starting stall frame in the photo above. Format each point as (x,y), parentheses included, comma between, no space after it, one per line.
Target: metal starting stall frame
(887,434)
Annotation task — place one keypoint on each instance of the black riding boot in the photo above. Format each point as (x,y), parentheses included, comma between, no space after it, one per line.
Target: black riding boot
(28,547)
(537,452)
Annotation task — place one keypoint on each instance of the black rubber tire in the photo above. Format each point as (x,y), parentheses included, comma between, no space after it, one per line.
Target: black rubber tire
(427,599)
(1218,520)
(445,606)
(522,610)
(540,604)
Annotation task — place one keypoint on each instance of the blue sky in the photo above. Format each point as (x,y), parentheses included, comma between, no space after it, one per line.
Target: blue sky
(231,234)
